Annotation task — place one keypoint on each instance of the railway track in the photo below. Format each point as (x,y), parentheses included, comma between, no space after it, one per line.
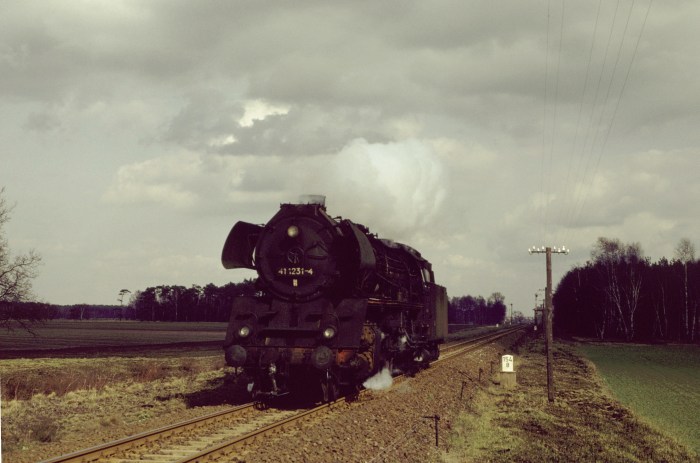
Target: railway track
(212,436)
(459,347)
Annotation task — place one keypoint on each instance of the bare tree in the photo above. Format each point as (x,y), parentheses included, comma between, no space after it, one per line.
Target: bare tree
(16,275)
(122,293)
(621,268)
(685,253)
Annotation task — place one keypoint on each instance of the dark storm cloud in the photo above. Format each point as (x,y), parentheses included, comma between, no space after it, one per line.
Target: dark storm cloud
(207,118)
(110,44)
(437,59)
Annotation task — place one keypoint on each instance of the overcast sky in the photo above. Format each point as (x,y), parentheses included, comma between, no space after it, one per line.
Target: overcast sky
(134,134)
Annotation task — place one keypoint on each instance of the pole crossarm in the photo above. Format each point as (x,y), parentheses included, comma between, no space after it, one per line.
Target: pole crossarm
(553,250)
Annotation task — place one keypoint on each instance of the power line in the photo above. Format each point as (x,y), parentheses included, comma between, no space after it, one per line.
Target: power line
(591,138)
(581,184)
(607,131)
(554,117)
(568,191)
(544,124)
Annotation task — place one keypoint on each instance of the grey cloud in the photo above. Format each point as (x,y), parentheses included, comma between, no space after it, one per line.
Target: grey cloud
(422,58)
(305,131)
(42,122)
(207,118)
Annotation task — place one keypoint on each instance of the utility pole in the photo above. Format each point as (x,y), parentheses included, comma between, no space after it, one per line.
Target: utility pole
(539,309)
(548,312)
(511,314)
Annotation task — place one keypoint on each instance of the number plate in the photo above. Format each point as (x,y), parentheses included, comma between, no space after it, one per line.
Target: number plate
(295,271)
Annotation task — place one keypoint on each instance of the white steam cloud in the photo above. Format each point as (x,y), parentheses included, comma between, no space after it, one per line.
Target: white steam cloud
(393,188)
(396,189)
(381,380)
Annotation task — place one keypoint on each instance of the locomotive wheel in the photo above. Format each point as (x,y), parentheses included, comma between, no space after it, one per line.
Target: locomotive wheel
(329,389)
(261,405)
(435,352)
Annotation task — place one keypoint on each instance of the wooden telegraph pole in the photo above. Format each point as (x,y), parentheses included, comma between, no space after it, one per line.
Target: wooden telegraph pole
(511,314)
(548,313)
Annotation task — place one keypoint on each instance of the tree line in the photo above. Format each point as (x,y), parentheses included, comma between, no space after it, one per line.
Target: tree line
(209,303)
(472,310)
(213,303)
(620,294)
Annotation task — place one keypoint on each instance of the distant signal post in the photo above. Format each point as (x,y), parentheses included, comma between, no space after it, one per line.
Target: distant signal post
(548,312)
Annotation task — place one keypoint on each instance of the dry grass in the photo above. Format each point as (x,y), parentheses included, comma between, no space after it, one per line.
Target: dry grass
(24,378)
(49,425)
(57,405)
(583,424)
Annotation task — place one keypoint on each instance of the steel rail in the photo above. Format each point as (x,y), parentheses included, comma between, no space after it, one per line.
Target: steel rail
(488,336)
(475,343)
(110,448)
(225,448)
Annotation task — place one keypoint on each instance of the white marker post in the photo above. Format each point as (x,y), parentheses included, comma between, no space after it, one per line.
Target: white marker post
(508,379)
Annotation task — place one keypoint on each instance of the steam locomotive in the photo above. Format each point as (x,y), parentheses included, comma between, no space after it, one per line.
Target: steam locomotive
(335,305)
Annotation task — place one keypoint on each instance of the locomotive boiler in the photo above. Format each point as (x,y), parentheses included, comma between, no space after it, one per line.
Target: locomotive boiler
(335,304)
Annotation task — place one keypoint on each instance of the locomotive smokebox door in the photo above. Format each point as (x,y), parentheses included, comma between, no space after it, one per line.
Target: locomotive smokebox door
(239,246)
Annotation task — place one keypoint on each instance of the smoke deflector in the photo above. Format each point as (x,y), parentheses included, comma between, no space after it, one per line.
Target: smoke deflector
(239,246)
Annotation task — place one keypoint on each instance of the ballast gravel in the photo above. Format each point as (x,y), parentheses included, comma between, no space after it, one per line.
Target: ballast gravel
(392,425)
